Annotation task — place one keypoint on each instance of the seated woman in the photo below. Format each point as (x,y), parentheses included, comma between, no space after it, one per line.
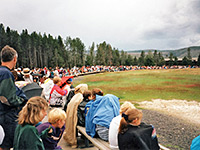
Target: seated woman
(71,120)
(100,114)
(26,135)
(136,135)
(56,94)
(114,125)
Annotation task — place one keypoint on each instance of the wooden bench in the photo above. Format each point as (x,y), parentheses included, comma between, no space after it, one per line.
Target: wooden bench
(100,144)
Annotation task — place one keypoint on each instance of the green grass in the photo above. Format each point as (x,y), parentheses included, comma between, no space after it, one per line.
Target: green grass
(142,85)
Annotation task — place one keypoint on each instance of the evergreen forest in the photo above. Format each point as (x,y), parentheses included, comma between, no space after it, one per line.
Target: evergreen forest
(40,50)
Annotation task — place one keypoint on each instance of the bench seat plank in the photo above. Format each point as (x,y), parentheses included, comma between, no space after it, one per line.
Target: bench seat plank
(100,144)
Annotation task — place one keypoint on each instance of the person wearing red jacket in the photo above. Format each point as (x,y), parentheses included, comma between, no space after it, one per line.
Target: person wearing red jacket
(56,94)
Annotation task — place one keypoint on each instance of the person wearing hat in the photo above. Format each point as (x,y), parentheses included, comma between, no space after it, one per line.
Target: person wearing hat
(20,76)
(27,76)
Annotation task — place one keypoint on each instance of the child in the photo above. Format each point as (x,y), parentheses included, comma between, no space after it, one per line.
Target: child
(136,135)
(56,120)
(56,94)
(26,135)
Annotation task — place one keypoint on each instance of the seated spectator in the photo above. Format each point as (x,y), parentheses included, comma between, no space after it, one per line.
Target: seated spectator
(14,72)
(68,99)
(95,91)
(81,107)
(2,134)
(66,83)
(19,75)
(71,120)
(26,135)
(47,86)
(100,114)
(136,135)
(27,76)
(114,125)
(56,120)
(195,143)
(56,94)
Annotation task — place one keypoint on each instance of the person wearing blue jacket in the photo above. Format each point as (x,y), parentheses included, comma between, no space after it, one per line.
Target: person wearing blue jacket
(101,112)
(11,99)
(195,143)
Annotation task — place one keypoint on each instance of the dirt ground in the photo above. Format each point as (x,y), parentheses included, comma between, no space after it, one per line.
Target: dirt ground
(176,121)
(186,110)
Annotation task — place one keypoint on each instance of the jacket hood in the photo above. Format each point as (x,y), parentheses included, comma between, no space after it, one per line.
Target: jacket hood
(81,88)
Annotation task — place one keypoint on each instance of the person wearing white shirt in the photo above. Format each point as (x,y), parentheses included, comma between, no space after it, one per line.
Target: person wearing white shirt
(114,125)
(2,134)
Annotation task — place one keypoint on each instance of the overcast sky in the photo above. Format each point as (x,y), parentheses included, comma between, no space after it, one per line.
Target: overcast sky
(125,24)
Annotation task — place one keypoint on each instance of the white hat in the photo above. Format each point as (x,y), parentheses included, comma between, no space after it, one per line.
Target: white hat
(26,71)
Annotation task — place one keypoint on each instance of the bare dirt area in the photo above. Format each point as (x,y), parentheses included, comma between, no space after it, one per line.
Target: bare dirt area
(176,121)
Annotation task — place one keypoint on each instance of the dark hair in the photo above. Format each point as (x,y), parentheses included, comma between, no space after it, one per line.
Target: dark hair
(15,74)
(86,94)
(127,117)
(97,91)
(8,53)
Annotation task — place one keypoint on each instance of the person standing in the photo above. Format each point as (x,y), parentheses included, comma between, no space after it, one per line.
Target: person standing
(10,103)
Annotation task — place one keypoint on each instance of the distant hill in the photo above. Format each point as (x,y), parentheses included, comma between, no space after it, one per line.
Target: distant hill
(180,53)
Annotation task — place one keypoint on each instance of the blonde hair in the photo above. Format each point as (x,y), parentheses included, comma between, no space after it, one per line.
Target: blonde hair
(55,115)
(31,112)
(127,117)
(125,106)
(56,79)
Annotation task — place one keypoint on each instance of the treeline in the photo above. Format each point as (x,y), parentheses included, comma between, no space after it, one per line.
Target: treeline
(40,50)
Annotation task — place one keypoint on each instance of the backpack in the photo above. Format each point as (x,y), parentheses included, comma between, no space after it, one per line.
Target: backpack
(81,112)
(69,97)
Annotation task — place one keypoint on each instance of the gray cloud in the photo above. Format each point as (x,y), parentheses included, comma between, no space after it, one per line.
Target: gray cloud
(126,25)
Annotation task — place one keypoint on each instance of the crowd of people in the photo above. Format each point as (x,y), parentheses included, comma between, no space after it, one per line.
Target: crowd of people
(21,125)
(39,75)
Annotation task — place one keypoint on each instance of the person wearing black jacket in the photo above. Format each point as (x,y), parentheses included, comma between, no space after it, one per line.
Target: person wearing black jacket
(134,135)
(81,108)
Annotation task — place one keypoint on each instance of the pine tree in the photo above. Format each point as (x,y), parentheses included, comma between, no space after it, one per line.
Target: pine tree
(198,60)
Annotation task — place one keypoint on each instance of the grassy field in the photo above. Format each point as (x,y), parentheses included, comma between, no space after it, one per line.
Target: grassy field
(142,85)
